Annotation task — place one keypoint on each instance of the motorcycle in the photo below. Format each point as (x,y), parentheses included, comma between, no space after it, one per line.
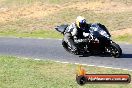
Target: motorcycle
(100,42)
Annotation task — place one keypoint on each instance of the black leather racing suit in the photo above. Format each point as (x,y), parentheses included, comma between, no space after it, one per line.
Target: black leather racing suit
(74,33)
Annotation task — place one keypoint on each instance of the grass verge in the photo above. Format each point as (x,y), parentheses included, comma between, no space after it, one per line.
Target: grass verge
(36,34)
(31,18)
(27,73)
(127,38)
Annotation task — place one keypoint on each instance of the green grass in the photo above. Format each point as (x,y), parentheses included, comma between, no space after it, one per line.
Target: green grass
(124,38)
(27,73)
(113,21)
(36,27)
(35,34)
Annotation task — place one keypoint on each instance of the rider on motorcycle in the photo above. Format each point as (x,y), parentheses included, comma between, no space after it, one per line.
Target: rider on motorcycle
(77,31)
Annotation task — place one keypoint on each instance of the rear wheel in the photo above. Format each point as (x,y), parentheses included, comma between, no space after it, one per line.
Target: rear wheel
(68,48)
(115,50)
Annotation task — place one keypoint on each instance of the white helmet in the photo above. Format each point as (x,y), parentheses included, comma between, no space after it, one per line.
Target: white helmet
(80,22)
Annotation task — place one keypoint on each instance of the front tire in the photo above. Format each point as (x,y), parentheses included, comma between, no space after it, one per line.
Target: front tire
(115,50)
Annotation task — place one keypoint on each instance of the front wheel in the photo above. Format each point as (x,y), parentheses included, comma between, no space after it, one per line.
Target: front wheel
(115,50)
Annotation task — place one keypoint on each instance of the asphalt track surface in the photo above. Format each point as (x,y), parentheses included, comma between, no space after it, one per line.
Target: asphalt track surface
(51,49)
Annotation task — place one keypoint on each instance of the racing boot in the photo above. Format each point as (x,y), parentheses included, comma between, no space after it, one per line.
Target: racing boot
(74,49)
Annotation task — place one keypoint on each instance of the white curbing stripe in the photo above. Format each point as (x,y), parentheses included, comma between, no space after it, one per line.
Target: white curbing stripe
(81,64)
(24,58)
(65,62)
(37,59)
(91,65)
(95,66)
(57,61)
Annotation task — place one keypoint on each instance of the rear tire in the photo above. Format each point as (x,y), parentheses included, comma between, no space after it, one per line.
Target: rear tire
(65,46)
(68,48)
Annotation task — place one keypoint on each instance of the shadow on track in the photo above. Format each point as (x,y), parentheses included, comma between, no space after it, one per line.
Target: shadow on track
(126,56)
(106,55)
(96,55)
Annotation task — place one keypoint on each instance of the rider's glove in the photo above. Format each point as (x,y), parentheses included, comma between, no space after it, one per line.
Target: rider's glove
(91,37)
(85,40)
(82,40)
(78,40)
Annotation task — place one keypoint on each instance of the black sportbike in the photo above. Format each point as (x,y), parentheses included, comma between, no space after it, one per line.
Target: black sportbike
(100,42)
